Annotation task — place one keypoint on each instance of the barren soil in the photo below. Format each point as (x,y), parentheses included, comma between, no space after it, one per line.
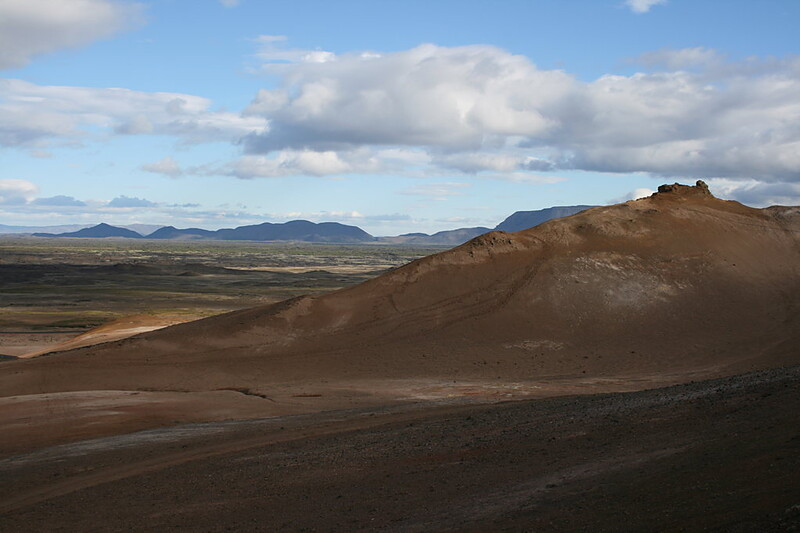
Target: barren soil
(719,455)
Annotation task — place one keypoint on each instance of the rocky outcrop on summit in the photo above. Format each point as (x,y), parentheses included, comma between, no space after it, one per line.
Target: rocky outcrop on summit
(700,188)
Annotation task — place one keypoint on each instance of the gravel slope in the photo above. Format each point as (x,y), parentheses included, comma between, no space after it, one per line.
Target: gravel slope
(720,455)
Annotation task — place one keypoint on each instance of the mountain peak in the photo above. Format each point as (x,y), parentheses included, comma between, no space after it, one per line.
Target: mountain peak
(101,230)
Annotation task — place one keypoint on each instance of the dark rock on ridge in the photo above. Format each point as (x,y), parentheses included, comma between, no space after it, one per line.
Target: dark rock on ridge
(700,188)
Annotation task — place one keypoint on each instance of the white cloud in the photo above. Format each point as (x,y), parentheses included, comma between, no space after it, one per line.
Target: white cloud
(273,53)
(167,166)
(755,193)
(135,125)
(460,98)
(437,191)
(683,58)
(449,111)
(36,115)
(126,202)
(684,124)
(18,203)
(32,27)
(475,162)
(525,177)
(345,217)
(300,162)
(59,201)
(15,192)
(229,3)
(480,109)
(265,39)
(633,195)
(643,6)
(641,192)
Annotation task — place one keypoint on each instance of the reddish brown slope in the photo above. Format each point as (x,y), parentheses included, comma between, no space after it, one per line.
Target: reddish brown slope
(676,286)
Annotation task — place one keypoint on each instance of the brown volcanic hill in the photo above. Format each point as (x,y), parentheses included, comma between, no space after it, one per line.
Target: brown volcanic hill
(674,287)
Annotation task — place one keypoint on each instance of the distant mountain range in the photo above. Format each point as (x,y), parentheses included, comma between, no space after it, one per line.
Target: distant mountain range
(527,219)
(142,229)
(171,232)
(296,230)
(451,237)
(333,232)
(517,222)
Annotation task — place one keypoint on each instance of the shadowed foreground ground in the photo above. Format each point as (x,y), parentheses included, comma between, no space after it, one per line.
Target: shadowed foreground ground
(720,455)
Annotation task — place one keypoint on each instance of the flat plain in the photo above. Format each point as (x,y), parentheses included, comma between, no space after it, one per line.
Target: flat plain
(53,290)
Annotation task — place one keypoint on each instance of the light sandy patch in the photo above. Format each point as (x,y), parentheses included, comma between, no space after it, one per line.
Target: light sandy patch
(113,331)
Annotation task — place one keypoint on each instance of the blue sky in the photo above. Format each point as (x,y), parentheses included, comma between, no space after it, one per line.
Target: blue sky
(396,116)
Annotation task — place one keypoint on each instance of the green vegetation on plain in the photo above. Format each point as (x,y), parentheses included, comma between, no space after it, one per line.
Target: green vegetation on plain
(82,283)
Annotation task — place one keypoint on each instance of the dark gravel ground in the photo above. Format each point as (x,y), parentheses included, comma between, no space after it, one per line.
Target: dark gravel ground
(720,455)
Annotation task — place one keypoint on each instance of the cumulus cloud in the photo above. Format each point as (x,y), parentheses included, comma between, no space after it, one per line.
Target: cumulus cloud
(458,98)
(14,192)
(633,195)
(135,125)
(125,201)
(684,124)
(480,109)
(526,177)
(272,52)
(302,162)
(756,193)
(59,201)
(32,27)
(475,162)
(445,111)
(166,166)
(683,58)
(35,115)
(643,6)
